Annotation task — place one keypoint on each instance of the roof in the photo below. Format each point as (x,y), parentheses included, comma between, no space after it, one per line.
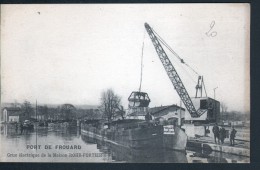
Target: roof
(12,108)
(13,111)
(155,110)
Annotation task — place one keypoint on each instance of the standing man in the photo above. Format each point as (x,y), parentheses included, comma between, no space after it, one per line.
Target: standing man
(232,136)
(216,132)
(222,134)
(16,127)
(148,117)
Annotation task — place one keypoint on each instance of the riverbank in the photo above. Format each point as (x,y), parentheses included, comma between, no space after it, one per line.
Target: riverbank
(241,147)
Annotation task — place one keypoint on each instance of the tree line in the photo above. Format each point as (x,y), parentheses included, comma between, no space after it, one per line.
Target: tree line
(110,108)
(226,115)
(62,112)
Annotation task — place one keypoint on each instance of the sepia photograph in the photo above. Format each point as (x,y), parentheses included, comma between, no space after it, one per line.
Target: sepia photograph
(125,83)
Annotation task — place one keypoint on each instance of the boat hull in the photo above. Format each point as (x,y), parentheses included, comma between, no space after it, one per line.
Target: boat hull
(176,141)
(140,137)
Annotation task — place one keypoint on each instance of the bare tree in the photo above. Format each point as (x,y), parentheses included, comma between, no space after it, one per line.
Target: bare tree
(68,112)
(27,109)
(44,110)
(110,102)
(121,111)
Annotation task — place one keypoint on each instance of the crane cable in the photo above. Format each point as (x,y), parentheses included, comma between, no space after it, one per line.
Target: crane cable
(174,53)
(142,56)
(189,75)
(182,61)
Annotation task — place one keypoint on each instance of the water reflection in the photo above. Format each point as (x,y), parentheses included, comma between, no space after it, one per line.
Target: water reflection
(15,142)
(200,156)
(124,154)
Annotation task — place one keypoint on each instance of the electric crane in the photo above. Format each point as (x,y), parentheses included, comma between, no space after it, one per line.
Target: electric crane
(207,108)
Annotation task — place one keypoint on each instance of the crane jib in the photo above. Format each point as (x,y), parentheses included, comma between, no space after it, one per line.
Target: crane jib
(172,74)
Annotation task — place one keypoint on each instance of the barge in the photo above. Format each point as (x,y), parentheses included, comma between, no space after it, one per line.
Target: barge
(137,133)
(132,133)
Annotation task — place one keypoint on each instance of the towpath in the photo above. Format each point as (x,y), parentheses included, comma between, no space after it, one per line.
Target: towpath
(241,147)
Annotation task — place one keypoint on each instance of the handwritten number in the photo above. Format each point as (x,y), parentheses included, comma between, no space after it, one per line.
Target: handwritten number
(212,24)
(210,32)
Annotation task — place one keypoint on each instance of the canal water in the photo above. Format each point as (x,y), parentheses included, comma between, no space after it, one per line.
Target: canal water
(63,144)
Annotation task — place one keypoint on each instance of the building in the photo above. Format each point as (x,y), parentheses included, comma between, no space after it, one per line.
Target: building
(12,114)
(172,113)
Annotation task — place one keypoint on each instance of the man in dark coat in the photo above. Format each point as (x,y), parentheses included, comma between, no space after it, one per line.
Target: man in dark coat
(232,136)
(222,134)
(148,117)
(216,132)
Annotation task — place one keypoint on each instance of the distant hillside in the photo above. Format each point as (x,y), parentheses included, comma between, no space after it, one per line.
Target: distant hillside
(85,106)
(9,105)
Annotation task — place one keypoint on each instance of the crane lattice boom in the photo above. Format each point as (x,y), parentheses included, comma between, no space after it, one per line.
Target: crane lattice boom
(172,74)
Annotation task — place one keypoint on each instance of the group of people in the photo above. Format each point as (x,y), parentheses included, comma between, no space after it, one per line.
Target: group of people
(220,134)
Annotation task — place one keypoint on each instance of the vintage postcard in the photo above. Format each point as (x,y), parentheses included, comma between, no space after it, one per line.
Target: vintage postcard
(134,83)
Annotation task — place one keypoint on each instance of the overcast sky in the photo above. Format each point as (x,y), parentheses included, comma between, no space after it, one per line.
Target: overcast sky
(71,53)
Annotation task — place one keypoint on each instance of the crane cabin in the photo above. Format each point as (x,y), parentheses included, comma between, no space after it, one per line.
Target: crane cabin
(208,108)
